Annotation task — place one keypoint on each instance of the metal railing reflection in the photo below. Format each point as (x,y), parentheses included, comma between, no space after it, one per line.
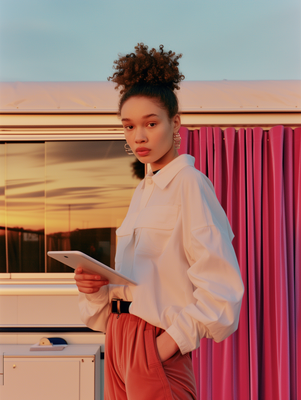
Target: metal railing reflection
(24,250)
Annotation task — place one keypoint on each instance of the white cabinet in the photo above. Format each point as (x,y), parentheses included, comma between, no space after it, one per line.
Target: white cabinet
(70,374)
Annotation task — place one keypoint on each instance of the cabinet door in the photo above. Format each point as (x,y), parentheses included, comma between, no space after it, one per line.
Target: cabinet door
(41,379)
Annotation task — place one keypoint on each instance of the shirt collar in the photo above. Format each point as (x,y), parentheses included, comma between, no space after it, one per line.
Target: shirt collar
(167,173)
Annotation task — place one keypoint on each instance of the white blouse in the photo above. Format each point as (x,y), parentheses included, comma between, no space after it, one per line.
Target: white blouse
(176,243)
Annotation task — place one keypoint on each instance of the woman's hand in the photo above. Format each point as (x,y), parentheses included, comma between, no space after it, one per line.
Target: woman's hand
(167,347)
(88,283)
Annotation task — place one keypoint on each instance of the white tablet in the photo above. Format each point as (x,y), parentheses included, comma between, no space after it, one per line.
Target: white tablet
(76,259)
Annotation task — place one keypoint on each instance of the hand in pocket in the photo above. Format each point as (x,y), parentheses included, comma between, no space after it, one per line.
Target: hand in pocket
(166,346)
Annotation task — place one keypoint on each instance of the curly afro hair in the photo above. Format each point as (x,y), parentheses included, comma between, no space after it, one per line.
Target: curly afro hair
(147,67)
(149,73)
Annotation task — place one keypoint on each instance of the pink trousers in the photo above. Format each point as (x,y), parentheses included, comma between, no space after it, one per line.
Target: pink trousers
(133,370)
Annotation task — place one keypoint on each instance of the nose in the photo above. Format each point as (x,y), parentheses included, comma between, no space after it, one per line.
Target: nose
(141,136)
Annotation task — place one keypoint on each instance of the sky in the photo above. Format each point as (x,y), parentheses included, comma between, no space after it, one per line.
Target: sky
(91,180)
(64,40)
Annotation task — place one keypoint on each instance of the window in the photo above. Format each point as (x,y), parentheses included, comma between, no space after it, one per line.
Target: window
(61,195)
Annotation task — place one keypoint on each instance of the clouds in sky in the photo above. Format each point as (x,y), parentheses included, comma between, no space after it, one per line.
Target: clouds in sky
(64,40)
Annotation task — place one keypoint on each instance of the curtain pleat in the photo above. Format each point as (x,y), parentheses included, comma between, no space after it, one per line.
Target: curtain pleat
(257,179)
(256,143)
(289,237)
(269,360)
(203,150)
(279,260)
(222,363)
(249,326)
(297,242)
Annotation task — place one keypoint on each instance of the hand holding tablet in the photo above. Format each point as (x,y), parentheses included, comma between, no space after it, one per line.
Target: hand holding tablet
(88,283)
(75,259)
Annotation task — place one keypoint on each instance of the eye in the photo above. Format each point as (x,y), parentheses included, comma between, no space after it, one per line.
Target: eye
(128,127)
(152,124)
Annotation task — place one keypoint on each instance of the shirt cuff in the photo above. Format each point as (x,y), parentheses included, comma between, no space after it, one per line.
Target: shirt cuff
(99,296)
(185,339)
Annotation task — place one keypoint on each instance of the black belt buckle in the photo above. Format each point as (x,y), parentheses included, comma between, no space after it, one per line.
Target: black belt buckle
(120,307)
(116,306)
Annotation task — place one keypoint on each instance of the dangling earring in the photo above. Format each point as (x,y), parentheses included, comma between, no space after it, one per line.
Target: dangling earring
(177,140)
(128,149)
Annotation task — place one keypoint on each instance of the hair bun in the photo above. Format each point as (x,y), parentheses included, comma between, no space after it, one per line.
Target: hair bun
(147,67)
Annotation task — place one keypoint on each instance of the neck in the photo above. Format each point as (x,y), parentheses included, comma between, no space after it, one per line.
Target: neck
(159,164)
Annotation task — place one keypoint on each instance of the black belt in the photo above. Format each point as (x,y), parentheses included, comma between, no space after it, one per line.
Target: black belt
(120,307)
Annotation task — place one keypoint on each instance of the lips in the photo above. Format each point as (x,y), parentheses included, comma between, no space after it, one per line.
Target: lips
(142,151)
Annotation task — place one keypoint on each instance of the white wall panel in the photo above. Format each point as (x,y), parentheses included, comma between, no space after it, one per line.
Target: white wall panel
(48,310)
(8,310)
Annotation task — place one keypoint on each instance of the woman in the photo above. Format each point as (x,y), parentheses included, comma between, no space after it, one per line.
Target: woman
(175,242)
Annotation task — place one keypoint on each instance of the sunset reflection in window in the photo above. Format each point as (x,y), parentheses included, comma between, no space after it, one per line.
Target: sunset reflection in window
(61,196)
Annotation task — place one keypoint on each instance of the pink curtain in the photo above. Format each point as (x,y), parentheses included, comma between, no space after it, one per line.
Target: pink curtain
(257,179)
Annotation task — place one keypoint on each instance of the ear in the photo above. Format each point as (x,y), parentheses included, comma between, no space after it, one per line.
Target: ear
(177,123)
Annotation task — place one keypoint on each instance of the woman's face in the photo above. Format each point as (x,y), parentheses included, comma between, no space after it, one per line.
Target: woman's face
(149,131)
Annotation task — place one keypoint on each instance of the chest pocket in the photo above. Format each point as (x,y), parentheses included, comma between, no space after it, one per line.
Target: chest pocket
(126,239)
(153,228)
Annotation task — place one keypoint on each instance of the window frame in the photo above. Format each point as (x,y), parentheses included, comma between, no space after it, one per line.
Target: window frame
(33,283)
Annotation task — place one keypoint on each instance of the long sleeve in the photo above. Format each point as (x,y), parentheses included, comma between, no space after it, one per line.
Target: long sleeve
(214,271)
(95,308)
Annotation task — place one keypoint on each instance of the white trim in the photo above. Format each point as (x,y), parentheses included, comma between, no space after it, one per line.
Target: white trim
(38,277)
(41,283)
(18,289)
(51,121)
(96,127)
(48,137)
